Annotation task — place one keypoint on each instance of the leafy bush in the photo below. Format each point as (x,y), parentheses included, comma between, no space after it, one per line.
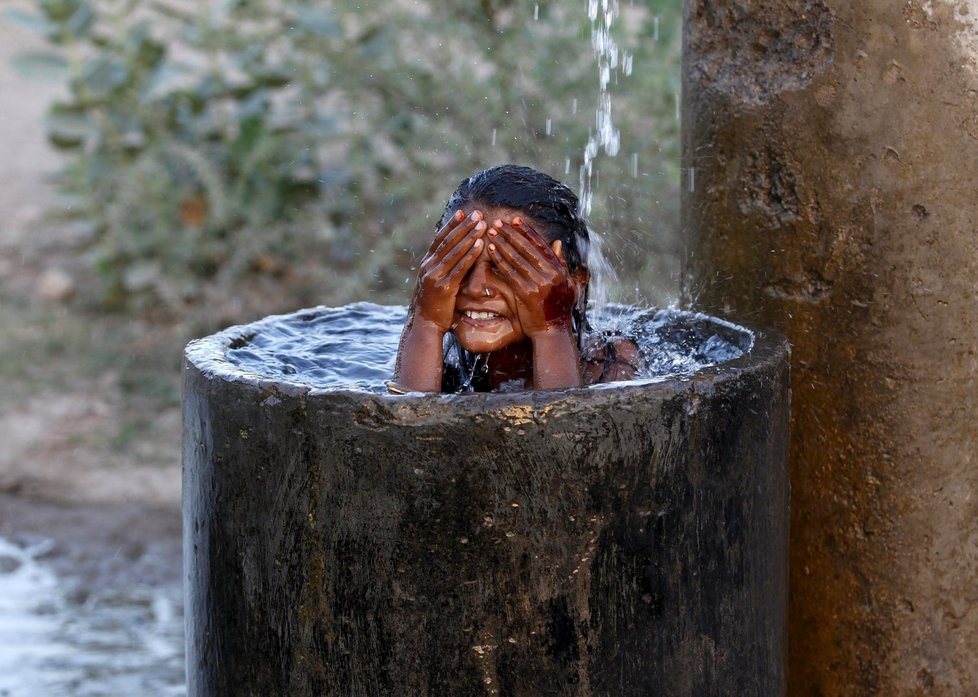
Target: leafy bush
(306,148)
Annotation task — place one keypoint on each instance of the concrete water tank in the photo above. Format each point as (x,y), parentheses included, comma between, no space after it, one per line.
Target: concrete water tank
(621,540)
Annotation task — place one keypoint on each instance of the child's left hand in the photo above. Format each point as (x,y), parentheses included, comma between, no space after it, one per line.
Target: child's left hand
(539,278)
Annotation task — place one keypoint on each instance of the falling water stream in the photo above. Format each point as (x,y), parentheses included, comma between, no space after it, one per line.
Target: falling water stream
(610,59)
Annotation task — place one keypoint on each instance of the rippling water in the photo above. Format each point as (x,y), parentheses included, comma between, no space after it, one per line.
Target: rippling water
(115,642)
(354,347)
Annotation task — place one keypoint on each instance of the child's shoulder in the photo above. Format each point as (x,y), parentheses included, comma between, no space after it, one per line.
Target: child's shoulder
(608,357)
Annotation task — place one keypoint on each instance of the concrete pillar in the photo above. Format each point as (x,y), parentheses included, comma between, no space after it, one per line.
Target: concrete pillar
(831,149)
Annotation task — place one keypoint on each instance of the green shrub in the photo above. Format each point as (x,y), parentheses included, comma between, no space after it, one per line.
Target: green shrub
(307,148)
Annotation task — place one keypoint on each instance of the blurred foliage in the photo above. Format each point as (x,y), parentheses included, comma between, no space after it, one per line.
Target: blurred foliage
(288,152)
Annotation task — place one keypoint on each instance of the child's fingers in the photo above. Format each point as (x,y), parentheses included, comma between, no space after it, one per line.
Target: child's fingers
(531,266)
(454,235)
(512,266)
(451,255)
(539,255)
(539,242)
(455,244)
(505,269)
(457,217)
(446,238)
(454,230)
(462,266)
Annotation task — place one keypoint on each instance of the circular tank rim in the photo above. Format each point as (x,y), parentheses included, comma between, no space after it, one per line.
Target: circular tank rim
(207,356)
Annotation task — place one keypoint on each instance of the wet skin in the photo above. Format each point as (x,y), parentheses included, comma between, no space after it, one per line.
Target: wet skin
(493,281)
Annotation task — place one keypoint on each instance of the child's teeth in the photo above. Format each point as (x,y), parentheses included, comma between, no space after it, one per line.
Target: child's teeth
(480,315)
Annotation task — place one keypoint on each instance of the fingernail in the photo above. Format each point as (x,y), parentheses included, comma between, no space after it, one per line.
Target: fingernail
(493,232)
(478,244)
(492,247)
(498,223)
(481,225)
(459,215)
(476,215)
(517,222)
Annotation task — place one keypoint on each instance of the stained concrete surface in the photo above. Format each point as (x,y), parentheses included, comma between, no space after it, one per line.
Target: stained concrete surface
(838,204)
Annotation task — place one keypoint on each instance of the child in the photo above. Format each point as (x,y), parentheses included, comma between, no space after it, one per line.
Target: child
(506,280)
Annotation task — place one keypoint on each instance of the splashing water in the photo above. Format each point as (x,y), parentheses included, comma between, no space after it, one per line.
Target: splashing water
(354,347)
(117,641)
(610,59)
(603,274)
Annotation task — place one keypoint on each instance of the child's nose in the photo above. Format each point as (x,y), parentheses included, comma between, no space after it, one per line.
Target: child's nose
(477,280)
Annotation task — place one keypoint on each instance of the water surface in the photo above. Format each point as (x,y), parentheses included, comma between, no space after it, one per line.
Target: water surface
(354,347)
(124,641)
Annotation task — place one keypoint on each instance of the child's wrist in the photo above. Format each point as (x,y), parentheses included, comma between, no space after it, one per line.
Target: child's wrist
(420,325)
(556,359)
(553,332)
(557,327)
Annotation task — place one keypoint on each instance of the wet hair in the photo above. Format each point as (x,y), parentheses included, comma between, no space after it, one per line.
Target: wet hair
(550,203)
(553,208)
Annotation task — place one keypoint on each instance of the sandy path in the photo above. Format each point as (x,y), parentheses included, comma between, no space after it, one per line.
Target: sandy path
(27,158)
(112,515)
(49,449)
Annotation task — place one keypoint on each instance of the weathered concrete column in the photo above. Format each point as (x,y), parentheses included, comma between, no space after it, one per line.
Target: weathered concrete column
(832,154)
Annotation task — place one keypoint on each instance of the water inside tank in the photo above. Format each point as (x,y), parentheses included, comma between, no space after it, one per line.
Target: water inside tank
(354,347)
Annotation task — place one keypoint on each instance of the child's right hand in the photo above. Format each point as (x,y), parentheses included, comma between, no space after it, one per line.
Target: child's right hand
(452,253)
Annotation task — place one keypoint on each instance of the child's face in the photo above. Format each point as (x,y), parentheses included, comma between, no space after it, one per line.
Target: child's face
(486,316)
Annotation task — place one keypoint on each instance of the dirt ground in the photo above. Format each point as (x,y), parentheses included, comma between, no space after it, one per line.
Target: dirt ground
(89,413)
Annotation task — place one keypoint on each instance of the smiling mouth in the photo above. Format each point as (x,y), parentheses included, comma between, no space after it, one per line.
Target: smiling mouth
(471,314)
